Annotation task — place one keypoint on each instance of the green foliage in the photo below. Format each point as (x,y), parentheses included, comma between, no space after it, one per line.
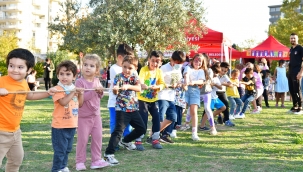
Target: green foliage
(39,68)
(8,42)
(149,24)
(3,67)
(292,22)
(273,66)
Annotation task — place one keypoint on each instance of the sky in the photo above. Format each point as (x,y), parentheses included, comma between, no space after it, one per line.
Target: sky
(239,20)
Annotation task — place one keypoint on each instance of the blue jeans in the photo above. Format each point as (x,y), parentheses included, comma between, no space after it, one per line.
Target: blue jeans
(112,122)
(233,103)
(62,141)
(168,108)
(172,126)
(246,99)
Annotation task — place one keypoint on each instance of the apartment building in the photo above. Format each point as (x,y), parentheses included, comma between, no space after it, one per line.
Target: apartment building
(275,12)
(29,20)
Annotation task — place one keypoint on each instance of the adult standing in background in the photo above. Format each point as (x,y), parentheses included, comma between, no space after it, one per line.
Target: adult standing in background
(46,77)
(108,73)
(295,73)
(51,71)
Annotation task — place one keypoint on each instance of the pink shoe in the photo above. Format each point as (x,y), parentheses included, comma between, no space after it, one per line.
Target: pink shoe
(80,167)
(99,164)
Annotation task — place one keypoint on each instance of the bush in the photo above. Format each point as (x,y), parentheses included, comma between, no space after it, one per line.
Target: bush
(3,68)
(39,68)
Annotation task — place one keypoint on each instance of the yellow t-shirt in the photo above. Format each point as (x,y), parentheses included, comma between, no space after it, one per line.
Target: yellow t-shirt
(150,78)
(12,105)
(65,116)
(233,91)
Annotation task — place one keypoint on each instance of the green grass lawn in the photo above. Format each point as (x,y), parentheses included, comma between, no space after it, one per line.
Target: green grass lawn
(271,141)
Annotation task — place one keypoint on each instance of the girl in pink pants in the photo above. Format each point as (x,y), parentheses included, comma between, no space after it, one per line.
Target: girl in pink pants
(89,120)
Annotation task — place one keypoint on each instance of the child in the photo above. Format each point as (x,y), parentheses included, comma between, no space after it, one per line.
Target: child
(151,79)
(172,77)
(250,91)
(233,94)
(123,49)
(281,85)
(192,78)
(19,62)
(225,81)
(65,115)
(125,86)
(89,120)
(31,80)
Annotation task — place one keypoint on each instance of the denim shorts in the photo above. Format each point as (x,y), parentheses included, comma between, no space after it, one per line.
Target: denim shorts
(216,103)
(192,95)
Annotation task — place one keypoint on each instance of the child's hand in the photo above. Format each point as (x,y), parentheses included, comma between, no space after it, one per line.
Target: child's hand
(79,91)
(99,90)
(3,92)
(116,88)
(144,87)
(125,87)
(52,91)
(192,83)
(154,87)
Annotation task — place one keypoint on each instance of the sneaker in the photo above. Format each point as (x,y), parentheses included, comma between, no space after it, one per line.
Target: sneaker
(149,140)
(220,119)
(173,134)
(282,106)
(139,146)
(156,144)
(99,164)
(80,166)
(231,117)
(65,169)
(204,128)
(185,127)
(178,127)
(276,105)
(165,139)
(229,123)
(128,146)
(256,111)
(259,108)
(195,137)
(291,110)
(111,159)
(268,106)
(298,111)
(213,132)
(240,116)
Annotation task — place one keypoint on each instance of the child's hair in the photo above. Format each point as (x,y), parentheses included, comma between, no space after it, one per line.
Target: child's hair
(205,65)
(32,71)
(206,60)
(23,54)
(281,62)
(69,65)
(225,65)
(93,57)
(216,67)
(131,60)
(248,70)
(124,49)
(156,54)
(178,56)
(257,68)
(235,71)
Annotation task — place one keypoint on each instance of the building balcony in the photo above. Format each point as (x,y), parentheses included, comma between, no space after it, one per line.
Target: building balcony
(11,27)
(11,8)
(39,12)
(10,18)
(4,2)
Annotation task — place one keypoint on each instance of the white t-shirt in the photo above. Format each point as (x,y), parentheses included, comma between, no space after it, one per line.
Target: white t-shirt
(194,75)
(216,81)
(114,70)
(223,79)
(30,78)
(171,75)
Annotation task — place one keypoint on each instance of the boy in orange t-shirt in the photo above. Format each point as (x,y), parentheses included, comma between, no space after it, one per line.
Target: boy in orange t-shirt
(19,62)
(65,115)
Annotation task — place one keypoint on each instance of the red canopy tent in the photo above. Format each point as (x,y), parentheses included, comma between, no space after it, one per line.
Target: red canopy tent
(270,48)
(215,52)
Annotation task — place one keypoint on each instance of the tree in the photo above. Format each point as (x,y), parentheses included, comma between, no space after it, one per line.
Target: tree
(292,22)
(8,42)
(151,24)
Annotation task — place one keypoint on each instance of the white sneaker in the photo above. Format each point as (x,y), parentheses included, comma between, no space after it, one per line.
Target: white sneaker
(173,134)
(185,127)
(239,116)
(65,169)
(128,146)
(256,111)
(298,113)
(111,159)
(195,137)
(231,117)
(213,132)
(259,108)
